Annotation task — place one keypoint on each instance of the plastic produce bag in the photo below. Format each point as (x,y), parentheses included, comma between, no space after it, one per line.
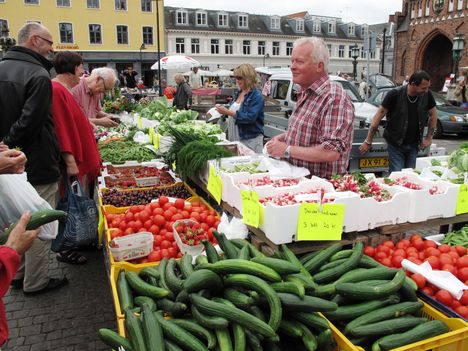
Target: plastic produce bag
(17,196)
(234,228)
(282,169)
(141,138)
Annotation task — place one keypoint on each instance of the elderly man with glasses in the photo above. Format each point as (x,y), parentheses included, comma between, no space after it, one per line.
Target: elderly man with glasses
(88,93)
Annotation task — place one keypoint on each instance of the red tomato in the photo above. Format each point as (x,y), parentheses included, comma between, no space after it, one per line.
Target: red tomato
(403,244)
(464,298)
(157,239)
(129,216)
(422,256)
(389,243)
(463,273)
(462,311)
(133,209)
(449,268)
(169,236)
(163,200)
(462,262)
(419,280)
(129,230)
(444,297)
(386,262)
(428,290)
(210,220)
(176,217)
(114,233)
(148,224)
(185,214)
(418,245)
(154,256)
(369,251)
(445,259)
(136,225)
(123,225)
(415,237)
(383,248)
(172,251)
(430,243)
(461,250)
(188,208)
(195,216)
(396,261)
(168,215)
(455,304)
(203,217)
(158,211)
(165,253)
(400,252)
(434,262)
(144,216)
(154,205)
(411,249)
(444,248)
(179,203)
(165,244)
(154,229)
(430,251)
(380,255)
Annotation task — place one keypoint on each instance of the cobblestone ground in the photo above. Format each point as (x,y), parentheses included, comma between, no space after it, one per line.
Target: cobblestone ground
(66,319)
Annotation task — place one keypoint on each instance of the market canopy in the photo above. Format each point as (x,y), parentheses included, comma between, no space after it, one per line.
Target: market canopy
(222,73)
(203,73)
(175,62)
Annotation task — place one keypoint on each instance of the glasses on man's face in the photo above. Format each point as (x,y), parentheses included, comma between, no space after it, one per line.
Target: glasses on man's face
(238,77)
(51,43)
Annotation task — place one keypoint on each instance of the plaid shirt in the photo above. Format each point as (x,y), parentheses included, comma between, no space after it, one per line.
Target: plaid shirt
(323,117)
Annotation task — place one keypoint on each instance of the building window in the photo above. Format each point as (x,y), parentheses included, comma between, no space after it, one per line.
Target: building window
(275,48)
(261,48)
(364,31)
(181,17)
(222,20)
(214,46)
(460,5)
(351,30)
(148,35)
(63,3)
(372,54)
(122,35)
(180,46)
(246,47)
(92,4)
(363,52)
(31,2)
(146,6)
(201,19)
(275,23)
(121,5)
(329,50)
(331,27)
(428,7)
(95,36)
(66,32)
(341,49)
(413,6)
(450,7)
(228,47)
(289,48)
(299,25)
(242,21)
(317,26)
(420,9)
(195,46)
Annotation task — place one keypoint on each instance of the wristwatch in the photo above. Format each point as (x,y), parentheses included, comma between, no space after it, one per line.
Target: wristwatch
(287,152)
(368,142)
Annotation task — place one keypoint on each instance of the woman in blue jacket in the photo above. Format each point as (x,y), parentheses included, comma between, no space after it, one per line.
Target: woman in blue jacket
(245,112)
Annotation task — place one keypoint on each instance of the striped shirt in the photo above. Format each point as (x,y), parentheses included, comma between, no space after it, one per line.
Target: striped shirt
(323,117)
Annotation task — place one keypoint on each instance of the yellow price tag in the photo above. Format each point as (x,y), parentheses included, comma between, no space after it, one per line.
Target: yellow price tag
(151,134)
(462,200)
(139,123)
(157,141)
(251,208)
(174,166)
(316,224)
(215,184)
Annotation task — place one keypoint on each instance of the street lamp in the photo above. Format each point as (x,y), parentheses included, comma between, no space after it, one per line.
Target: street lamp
(6,43)
(354,55)
(457,49)
(267,55)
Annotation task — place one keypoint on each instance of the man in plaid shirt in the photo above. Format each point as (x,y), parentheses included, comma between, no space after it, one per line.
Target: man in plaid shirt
(320,130)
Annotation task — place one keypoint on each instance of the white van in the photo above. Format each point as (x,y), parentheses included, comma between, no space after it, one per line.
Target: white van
(286,92)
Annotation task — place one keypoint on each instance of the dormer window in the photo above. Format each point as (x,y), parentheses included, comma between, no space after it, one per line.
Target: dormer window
(351,29)
(181,17)
(317,25)
(299,25)
(331,27)
(201,18)
(364,31)
(222,20)
(242,21)
(275,23)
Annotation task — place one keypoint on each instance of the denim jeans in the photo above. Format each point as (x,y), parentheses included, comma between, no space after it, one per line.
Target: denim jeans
(403,156)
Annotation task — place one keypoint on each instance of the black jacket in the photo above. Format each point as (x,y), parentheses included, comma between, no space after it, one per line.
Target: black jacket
(25,112)
(183,96)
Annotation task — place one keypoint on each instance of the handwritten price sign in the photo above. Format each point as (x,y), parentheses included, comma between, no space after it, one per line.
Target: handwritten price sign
(462,201)
(215,184)
(251,208)
(316,224)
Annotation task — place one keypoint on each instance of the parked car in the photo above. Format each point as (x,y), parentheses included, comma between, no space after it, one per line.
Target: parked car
(451,119)
(379,81)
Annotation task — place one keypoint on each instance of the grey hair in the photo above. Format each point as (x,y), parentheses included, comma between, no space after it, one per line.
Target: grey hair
(27,30)
(179,76)
(106,73)
(319,52)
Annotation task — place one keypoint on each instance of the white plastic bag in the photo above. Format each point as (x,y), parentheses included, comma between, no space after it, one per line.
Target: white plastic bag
(233,229)
(17,196)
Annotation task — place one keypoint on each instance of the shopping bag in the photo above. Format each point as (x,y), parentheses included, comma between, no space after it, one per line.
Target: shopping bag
(81,226)
(17,195)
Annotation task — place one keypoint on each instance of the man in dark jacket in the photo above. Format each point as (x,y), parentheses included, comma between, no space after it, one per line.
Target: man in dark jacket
(183,96)
(26,122)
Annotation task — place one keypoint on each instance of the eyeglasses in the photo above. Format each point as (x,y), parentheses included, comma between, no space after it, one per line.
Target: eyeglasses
(51,43)
(238,77)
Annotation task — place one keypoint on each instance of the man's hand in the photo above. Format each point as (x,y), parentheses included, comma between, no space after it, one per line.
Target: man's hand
(427,141)
(105,122)
(364,148)
(12,162)
(21,239)
(276,148)
(281,137)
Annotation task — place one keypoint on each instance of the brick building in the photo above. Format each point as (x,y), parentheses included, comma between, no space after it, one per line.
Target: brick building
(424,35)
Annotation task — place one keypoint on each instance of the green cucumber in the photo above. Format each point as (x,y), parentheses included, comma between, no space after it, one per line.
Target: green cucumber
(185,266)
(291,257)
(175,309)
(203,279)
(291,328)
(254,252)
(254,340)
(308,303)
(238,331)
(233,266)
(308,339)
(172,280)
(151,330)
(149,272)
(201,259)
(304,258)
(113,339)
(332,264)
(257,312)
(307,282)
(144,288)
(210,250)
(134,330)
(224,339)
(312,320)
(183,296)
(229,249)
(341,254)
(124,292)
(140,300)
(239,243)
(282,267)
(244,253)
(408,290)
(238,298)
(162,278)
(388,327)
(369,262)
(210,322)
(344,313)
(325,341)
(360,274)
(289,287)
(317,261)
(171,346)
(193,327)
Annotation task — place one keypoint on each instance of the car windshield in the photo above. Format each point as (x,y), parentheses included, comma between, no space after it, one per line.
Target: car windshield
(350,90)
(381,81)
(440,99)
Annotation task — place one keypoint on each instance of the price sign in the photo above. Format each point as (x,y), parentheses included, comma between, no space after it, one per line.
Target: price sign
(320,224)
(462,200)
(151,134)
(215,184)
(156,141)
(139,123)
(251,208)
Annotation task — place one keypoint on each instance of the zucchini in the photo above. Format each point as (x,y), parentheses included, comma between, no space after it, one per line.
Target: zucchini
(201,259)
(360,274)
(140,300)
(151,330)
(173,282)
(392,311)
(113,339)
(289,287)
(232,314)
(291,328)
(238,298)
(185,266)
(355,310)
(203,279)
(210,322)
(149,272)
(244,253)
(418,333)
(229,249)
(312,320)
(263,289)
(224,339)
(315,262)
(144,288)
(332,264)
(293,303)
(38,218)
(281,267)
(175,309)
(366,292)
(325,341)
(240,341)
(123,291)
(341,254)
(210,250)
(388,327)
(179,335)
(308,339)
(134,330)
(193,327)
(332,274)
(234,266)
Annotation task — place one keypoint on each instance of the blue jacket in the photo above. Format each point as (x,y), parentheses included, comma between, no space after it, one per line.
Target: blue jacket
(249,117)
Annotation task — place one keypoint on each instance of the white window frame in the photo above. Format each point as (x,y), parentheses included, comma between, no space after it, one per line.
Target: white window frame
(341,51)
(56,3)
(261,47)
(329,47)
(32,4)
(275,23)
(289,48)
(223,20)
(214,46)
(275,48)
(246,44)
(428,8)
(413,10)
(331,27)
(351,29)
(150,6)
(72,34)
(126,5)
(243,21)
(228,46)
(117,34)
(89,33)
(183,20)
(420,11)
(451,5)
(364,31)
(180,45)
(203,16)
(98,4)
(460,5)
(299,25)
(317,25)
(194,44)
(151,42)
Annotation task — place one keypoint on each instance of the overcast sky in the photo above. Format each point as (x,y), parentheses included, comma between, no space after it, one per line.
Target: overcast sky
(357,11)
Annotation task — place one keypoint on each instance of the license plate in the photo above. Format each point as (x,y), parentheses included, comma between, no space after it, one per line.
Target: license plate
(373,162)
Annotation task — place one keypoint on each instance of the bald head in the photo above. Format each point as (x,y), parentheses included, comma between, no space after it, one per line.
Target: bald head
(36,37)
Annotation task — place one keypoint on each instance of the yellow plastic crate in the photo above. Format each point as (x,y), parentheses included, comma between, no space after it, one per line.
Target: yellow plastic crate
(455,340)
(121,327)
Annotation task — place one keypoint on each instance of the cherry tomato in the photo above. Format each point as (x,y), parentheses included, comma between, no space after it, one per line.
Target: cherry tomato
(445,259)
(210,220)
(403,244)
(165,253)
(444,297)
(163,200)
(128,231)
(400,252)
(165,244)
(419,280)
(169,236)
(383,248)
(148,224)
(418,245)
(172,251)
(179,203)
(380,255)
